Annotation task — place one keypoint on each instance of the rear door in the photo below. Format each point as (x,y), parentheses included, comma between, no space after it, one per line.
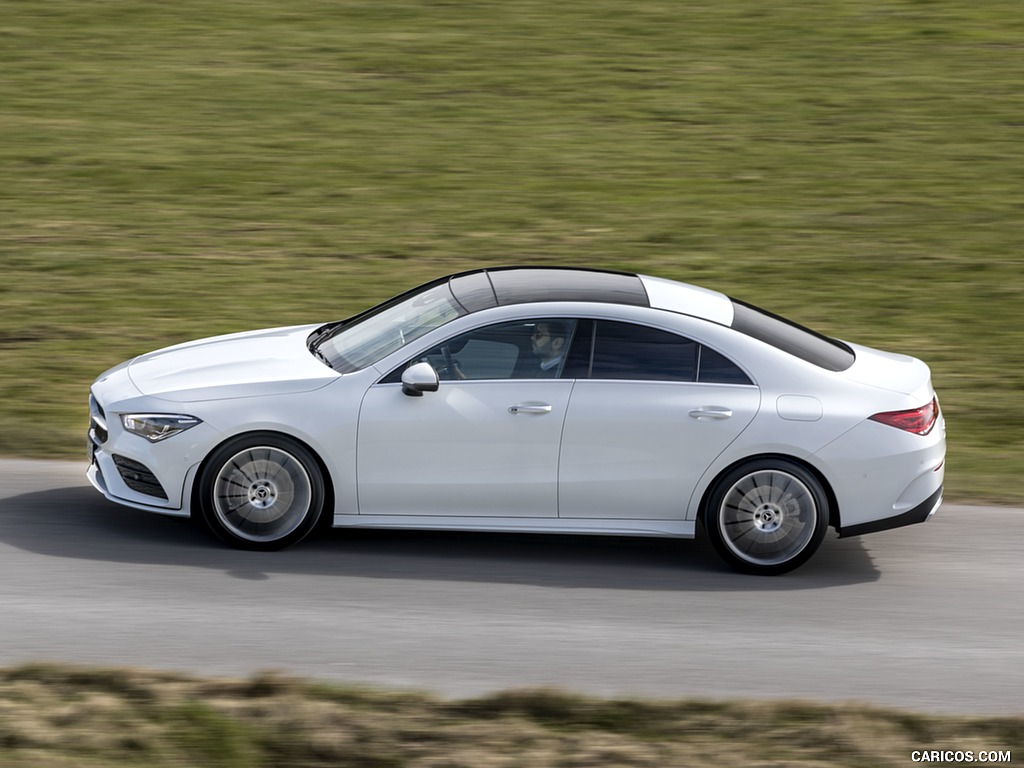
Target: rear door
(643,423)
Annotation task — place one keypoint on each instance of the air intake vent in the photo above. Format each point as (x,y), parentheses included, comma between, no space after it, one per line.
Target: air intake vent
(138,477)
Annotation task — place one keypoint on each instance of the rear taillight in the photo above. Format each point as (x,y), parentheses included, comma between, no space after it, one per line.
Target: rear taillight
(917,420)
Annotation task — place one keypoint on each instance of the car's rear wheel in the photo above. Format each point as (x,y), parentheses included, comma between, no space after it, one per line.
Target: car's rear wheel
(261,492)
(767,516)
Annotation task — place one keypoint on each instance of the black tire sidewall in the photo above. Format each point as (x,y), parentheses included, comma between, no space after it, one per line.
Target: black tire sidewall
(212,467)
(714,504)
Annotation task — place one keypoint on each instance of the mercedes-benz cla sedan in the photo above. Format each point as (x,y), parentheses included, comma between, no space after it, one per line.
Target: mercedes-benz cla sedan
(533,400)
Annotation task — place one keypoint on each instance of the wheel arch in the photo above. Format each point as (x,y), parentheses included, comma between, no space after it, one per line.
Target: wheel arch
(833,502)
(321,465)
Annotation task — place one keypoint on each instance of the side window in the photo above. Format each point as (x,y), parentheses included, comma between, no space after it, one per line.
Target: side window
(478,358)
(577,363)
(716,368)
(627,351)
(524,349)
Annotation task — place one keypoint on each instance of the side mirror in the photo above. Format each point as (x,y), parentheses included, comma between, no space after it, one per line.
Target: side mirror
(419,378)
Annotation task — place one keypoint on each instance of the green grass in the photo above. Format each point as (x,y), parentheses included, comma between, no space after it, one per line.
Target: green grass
(175,170)
(55,716)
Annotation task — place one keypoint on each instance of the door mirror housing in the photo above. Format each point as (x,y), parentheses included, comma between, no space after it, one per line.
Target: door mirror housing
(419,378)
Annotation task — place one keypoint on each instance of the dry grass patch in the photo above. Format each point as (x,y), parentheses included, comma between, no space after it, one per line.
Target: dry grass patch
(59,716)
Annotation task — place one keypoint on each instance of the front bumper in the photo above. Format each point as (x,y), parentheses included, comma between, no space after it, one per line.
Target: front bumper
(130,470)
(99,481)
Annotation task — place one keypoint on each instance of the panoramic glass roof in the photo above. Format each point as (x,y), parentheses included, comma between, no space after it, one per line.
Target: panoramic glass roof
(500,287)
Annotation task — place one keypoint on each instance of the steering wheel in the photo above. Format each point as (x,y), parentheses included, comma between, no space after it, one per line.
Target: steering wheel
(449,361)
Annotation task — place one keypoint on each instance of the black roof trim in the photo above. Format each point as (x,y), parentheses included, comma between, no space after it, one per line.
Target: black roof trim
(525,285)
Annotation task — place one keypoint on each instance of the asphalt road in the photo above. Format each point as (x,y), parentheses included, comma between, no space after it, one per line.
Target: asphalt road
(928,617)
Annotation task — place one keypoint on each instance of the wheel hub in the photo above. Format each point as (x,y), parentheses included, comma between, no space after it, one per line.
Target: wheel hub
(262,495)
(768,518)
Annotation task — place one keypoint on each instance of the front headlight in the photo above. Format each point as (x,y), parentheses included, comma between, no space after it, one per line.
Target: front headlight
(157,426)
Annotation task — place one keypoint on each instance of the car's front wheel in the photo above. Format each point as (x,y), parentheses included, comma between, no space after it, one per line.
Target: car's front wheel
(261,492)
(767,516)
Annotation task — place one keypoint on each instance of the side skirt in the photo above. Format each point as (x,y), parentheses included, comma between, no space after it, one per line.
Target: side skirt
(678,529)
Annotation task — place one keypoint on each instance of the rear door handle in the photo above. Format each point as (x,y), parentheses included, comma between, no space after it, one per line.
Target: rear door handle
(530,408)
(711,412)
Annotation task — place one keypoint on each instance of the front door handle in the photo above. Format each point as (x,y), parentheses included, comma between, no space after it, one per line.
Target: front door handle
(711,412)
(530,408)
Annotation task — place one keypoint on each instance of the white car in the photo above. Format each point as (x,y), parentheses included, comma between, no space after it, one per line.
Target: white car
(532,400)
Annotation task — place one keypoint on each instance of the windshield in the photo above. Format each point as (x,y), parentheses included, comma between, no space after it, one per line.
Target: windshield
(389,327)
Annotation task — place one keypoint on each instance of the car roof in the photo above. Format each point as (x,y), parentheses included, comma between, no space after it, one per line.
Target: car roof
(504,286)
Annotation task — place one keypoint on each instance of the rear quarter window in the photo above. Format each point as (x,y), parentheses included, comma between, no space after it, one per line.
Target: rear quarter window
(716,368)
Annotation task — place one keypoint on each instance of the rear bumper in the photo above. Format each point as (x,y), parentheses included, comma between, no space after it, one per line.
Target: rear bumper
(918,514)
(884,477)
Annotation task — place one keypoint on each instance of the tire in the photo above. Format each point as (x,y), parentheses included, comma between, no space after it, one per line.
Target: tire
(767,516)
(261,492)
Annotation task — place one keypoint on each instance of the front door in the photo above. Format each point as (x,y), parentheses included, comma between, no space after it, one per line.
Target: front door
(484,445)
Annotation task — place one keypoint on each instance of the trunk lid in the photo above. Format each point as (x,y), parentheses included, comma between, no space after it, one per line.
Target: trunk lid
(887,370)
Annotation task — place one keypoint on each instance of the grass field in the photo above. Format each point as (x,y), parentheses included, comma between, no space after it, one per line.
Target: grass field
(75,717)
(174,170)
